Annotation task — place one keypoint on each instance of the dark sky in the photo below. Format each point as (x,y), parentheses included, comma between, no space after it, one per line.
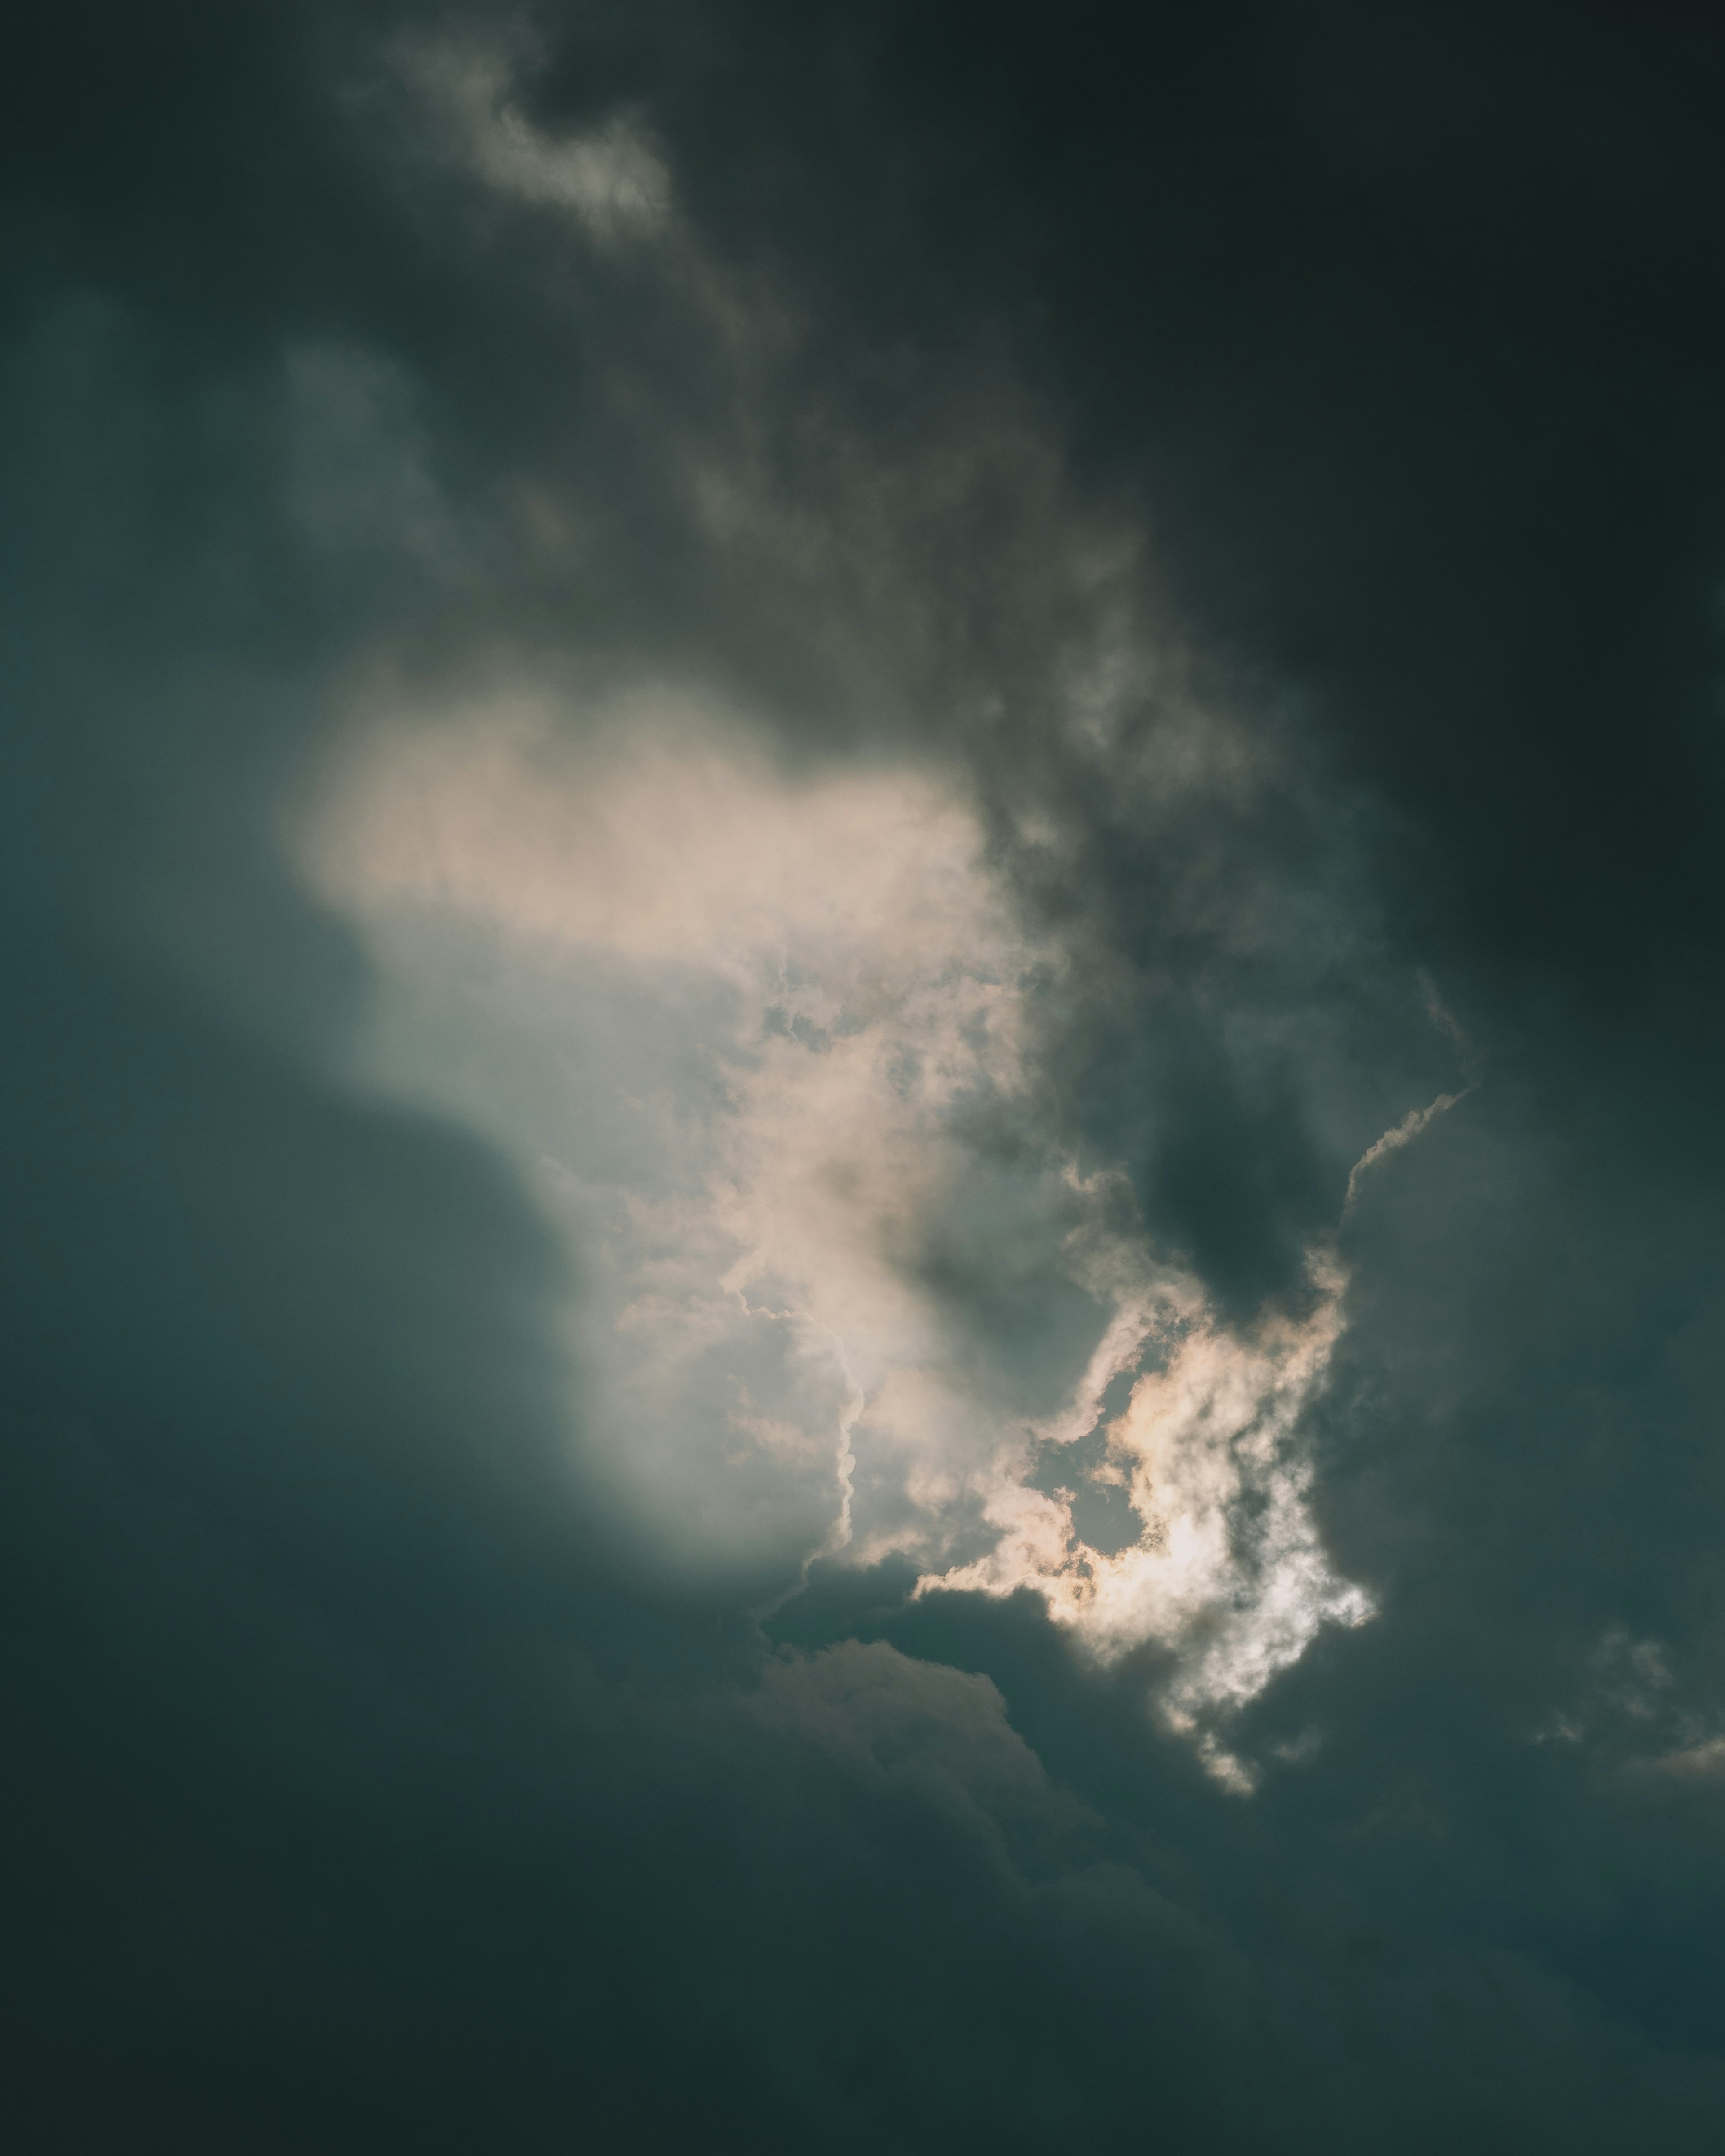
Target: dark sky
(749,750)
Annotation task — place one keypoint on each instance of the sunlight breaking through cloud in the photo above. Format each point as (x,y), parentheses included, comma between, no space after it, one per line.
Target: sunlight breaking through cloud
(768,1044)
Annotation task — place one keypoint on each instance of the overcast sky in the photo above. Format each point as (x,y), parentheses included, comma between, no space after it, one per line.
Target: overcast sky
(863,1214)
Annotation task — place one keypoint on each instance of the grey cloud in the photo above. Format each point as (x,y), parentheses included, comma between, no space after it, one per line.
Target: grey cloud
(1268,462)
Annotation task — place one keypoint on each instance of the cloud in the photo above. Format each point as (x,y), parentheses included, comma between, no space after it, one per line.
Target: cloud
(1229,1568)
(1404,1132)
(912,646)
(609,178)
(763,1041)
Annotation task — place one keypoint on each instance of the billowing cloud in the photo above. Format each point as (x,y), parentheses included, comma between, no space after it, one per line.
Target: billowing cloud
(776,1377)
(766,1041)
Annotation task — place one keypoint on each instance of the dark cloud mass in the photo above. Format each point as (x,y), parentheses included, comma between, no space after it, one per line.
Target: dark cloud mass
(1227,504)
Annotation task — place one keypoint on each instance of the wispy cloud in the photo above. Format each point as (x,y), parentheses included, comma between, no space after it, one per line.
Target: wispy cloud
(610,178)
(1404,1132)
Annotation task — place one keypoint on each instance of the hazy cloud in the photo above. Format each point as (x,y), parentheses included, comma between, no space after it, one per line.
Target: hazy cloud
(761,763)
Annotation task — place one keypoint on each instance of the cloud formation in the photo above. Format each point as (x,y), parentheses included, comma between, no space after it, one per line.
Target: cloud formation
(766,1044)
(761,763)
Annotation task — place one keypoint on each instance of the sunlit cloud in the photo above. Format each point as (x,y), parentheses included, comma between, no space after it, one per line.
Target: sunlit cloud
(767,1044)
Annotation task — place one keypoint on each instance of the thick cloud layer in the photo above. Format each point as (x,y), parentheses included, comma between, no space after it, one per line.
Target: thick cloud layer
(862,1216)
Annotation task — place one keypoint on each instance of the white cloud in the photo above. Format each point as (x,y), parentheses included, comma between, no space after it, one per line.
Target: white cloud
(1228,1568)
(750,1032)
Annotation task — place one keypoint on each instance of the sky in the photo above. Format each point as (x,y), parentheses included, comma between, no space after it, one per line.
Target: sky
(863,1208)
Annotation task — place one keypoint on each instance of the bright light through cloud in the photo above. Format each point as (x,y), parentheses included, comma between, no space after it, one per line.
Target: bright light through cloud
(763,1041)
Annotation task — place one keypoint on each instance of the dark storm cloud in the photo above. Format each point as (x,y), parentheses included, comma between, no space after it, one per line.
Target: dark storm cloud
(1367,369)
